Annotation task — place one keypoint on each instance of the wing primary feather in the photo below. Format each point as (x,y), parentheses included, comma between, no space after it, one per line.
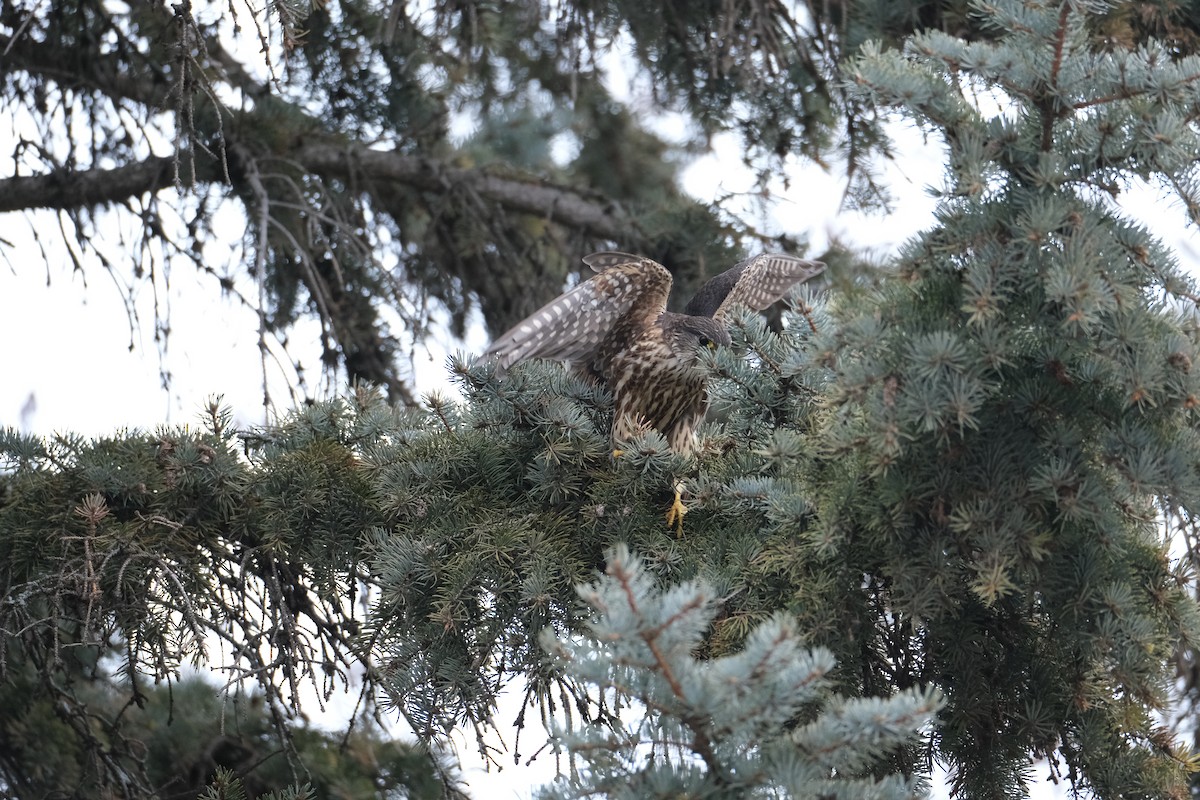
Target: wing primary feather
(541,333)
(572,327)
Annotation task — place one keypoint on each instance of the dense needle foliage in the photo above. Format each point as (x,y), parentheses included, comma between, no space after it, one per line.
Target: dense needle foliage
(958,481)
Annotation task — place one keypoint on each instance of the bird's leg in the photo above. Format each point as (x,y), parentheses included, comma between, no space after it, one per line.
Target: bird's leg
(677,510)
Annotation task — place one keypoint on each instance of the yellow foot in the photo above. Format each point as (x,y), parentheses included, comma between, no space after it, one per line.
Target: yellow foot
(677,510)
(618,453)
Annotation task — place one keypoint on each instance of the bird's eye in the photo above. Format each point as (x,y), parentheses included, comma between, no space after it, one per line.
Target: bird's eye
(707,342)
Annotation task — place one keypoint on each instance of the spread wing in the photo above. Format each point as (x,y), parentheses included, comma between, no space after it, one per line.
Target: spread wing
(755,283)
(572,326)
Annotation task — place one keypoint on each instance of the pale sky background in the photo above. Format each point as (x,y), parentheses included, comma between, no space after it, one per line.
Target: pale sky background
(68,341)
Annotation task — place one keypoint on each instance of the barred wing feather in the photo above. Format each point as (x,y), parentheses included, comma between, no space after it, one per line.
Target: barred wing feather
(755,283)
(574,325)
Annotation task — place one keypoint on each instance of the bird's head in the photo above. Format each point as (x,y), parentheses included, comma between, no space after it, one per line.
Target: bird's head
(691,335)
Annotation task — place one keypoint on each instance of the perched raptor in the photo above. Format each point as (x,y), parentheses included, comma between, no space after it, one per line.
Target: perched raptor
(616,327)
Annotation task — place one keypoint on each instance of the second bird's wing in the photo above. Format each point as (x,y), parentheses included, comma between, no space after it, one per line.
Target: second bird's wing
(755,283)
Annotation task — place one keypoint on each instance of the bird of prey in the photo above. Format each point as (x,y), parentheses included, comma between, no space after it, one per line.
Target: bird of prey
(615,326)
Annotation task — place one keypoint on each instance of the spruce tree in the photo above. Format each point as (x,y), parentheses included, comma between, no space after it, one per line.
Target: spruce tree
(954,481)
(1019,404)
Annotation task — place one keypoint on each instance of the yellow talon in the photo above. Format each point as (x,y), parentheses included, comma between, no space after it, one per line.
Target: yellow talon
(677,510)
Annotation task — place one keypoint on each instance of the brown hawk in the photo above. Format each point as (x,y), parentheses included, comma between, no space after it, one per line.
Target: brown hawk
(615,326)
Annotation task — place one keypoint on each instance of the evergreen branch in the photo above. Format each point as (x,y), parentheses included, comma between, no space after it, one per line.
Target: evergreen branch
(67,188)
(1191,204)
(124,74)
(701,743)
(109,75)
(1129,93)
(560,204)
(1050,110)
(258,210)
(741,708)
(72,189)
